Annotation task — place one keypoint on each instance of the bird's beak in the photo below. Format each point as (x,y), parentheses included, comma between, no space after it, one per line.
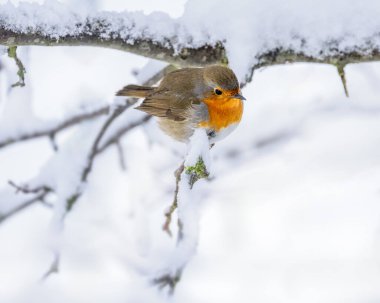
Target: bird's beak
(239,96)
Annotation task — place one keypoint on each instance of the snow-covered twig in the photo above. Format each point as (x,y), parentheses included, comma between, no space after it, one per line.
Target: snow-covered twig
(42,190)
(77,188)
(40,195)
(51,129)
(195,172)
(118,134)
(186,200)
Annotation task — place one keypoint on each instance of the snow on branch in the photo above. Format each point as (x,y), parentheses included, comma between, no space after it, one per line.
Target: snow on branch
(54,24)
(29,197)
(9,205)
(187,202)
(50,129)
(185,42)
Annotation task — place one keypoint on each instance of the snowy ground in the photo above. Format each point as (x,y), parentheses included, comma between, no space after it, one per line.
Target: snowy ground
(292,215)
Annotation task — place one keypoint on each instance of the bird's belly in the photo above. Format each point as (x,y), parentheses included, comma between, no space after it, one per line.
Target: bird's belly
(178,130)
(222,133)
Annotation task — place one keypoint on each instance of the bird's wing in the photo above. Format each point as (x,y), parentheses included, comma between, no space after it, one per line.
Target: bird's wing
(175,96)
(169,105)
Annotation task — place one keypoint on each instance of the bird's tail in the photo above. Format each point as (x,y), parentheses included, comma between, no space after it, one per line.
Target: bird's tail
(135,91)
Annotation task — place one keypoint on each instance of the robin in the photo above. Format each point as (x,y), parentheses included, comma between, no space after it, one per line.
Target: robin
(190,98)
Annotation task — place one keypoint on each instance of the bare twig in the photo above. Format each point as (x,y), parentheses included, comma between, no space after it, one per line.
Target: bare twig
(342,76)
(53,269)
(168,280)
(120,152)
(12,53)
(26,190)
(174,205)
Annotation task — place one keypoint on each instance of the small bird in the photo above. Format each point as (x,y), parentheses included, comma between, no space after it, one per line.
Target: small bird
(191,98)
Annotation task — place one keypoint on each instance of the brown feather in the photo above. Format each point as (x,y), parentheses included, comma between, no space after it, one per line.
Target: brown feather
(174,97)
(135,91)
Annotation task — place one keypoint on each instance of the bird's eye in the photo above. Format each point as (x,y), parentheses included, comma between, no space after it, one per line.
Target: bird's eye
(218,91)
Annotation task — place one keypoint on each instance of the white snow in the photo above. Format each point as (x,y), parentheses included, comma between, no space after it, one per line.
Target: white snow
(291,213)
(189,202)
(247,28)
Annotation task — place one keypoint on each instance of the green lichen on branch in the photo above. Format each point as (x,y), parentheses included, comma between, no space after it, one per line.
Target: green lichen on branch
(71,201)
(12,53)
(342,76)
(197,172)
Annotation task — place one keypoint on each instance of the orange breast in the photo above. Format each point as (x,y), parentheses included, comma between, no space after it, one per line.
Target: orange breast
(223,112)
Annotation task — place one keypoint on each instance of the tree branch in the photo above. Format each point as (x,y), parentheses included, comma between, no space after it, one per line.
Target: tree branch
(330,52)
(53,128)
(190,171)
(123,31)
(12,53)
(50,129)
(174,205)
(174,43)
(40,193)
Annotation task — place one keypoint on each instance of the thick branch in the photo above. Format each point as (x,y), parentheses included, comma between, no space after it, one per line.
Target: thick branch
(123,31)
(172,41)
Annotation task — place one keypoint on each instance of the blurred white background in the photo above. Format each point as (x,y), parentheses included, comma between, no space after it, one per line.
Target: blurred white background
(292,215)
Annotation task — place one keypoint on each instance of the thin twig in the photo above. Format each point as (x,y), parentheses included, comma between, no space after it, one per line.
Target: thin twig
(95,145)
(53,130)
(174,205)
(53,269)
(168,280)
(12,53)
(342,75)
(120,132)
(26,190)
(38,198)
(120,152)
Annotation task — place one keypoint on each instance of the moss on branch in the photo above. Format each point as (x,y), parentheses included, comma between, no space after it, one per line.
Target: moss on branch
(12,53)
(196,172)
